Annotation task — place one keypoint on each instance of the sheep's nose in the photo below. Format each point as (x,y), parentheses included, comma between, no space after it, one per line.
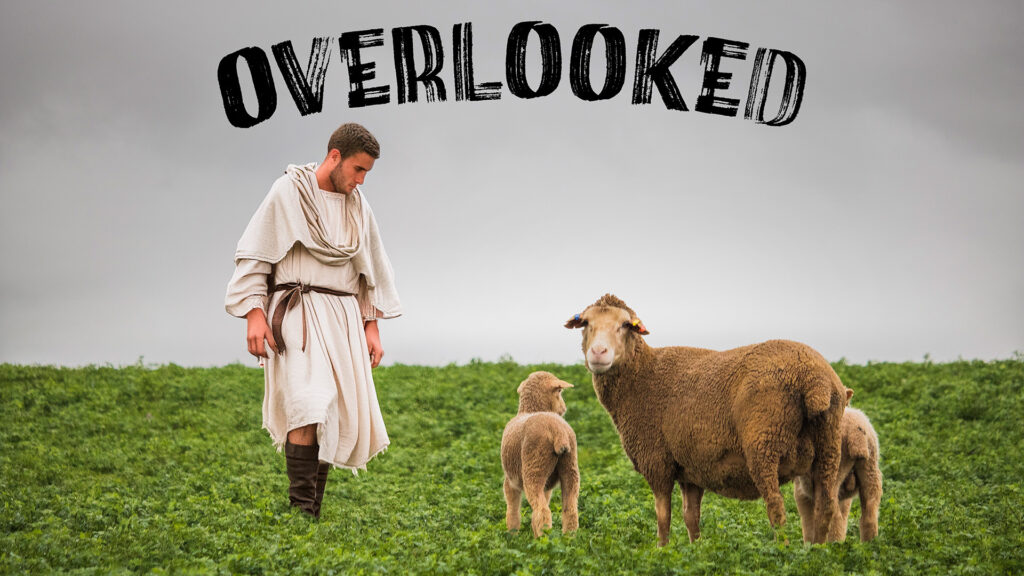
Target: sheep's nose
(598,350)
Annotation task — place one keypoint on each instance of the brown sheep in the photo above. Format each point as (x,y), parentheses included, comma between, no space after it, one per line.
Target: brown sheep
(538,452)
(738,423)
(861,477)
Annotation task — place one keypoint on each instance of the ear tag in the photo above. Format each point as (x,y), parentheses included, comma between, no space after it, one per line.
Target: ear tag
(576,317)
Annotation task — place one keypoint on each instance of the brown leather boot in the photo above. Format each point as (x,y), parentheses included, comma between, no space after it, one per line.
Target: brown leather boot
(321,484)
(301,464)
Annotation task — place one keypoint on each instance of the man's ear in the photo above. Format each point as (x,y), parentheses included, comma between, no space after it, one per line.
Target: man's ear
(575,322)
(333,157)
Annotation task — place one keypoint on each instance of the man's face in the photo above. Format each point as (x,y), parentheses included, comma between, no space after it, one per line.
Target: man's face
(351,171)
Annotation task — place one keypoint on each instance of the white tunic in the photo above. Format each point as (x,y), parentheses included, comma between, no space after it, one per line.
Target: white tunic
(331,383)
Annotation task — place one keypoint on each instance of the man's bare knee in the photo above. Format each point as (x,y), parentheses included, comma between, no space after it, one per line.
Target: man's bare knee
(304,436)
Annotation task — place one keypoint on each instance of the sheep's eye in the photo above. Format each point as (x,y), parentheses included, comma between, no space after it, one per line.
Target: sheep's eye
(626,324)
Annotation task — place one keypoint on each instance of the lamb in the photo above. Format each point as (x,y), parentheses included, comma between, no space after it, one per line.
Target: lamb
(538,452)
(738,423)
(858,467)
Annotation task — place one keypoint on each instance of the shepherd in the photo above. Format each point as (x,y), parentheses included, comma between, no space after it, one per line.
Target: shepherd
(311,260)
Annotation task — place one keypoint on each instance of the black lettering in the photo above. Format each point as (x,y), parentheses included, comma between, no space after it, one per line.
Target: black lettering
(714,50)
(760,79)
(651,70)
(579,62)
(351,43)
(231,89)
(405,72)
(307,89)
(515,59)
(465,88)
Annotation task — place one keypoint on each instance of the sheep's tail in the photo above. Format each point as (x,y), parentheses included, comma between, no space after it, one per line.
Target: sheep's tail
(818,397)
(561,442)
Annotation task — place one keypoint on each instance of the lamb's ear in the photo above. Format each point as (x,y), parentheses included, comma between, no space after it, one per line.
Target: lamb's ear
(575,322)
(849,394)
(637,326)
(562,385)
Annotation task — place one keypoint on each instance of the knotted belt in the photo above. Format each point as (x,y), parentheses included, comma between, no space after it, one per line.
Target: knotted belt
(292,296)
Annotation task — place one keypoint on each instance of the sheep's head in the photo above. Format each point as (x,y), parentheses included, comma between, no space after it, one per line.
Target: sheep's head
(542,392)
(609,327)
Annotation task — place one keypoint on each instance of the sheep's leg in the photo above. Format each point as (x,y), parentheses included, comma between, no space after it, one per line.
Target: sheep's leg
(869,479)
(663,510)
(837,532)
(804,497)
(513,500)
(825,473)
(764,470)
(692,496)
(569,478)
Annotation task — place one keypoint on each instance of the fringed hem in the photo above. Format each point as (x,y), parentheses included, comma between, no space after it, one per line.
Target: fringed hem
(355,469)
(278,442)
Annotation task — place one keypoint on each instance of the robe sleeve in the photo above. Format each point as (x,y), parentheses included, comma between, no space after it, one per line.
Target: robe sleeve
(247,288)
(366,307)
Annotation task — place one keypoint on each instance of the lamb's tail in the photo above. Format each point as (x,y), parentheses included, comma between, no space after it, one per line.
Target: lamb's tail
(561,442)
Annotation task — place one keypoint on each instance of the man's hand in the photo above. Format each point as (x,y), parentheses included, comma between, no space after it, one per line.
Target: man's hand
(257,331)
(373,342)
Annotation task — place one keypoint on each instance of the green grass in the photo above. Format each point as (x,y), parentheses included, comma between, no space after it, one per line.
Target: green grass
(167,470)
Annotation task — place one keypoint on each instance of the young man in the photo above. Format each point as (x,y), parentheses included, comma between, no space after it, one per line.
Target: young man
(311,260)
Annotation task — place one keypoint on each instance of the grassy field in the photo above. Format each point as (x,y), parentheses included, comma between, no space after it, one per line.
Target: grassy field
(167,470)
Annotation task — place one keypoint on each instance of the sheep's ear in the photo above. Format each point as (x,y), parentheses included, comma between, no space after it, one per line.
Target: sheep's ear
(562,385)
(849,394)
(637,326)
(575,322)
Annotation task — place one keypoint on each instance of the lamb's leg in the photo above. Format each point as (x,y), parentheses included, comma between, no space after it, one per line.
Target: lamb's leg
(513,499)
(569,478)
(540,515)
(547,498)
(547,505)
(538,464)
(803,493)
(869,479)
(692,496)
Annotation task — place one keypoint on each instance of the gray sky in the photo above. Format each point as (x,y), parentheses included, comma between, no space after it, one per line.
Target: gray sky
(885,223)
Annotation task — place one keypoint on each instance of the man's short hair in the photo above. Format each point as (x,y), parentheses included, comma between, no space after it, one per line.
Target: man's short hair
(352,138)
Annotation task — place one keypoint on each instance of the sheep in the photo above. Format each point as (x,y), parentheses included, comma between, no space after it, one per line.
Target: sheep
(538,452)
(858,467)
(738,423)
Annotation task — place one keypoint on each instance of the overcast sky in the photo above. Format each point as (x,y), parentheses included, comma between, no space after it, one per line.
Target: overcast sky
(885,222)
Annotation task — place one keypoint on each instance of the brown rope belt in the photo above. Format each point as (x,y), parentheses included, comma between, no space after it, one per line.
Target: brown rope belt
(292,296)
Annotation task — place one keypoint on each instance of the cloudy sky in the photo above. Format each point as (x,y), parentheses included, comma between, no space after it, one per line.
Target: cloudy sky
(886,222)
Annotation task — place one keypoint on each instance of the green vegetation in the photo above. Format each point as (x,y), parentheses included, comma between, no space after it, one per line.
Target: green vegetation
(167,470)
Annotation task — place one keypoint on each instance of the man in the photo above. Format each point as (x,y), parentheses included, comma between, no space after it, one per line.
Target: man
(311,260)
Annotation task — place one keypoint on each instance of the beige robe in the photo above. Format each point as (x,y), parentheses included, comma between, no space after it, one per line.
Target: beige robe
(331,383)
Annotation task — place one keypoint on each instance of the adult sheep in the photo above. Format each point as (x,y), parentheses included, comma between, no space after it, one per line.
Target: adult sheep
(738,423)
